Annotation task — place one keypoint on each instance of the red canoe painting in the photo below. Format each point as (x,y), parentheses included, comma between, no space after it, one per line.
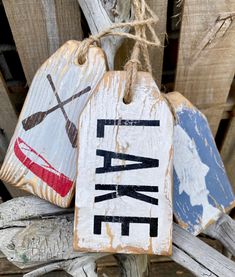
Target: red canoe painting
(42,169)
(41,158)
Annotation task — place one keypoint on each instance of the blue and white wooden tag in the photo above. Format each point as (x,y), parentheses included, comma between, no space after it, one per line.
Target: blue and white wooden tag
(124,170)
(202,191)
(41,158)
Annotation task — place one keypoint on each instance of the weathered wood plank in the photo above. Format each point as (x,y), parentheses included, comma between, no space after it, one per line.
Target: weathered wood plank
(228,149)
(125,155)
(206,256)
(206,59)
(40,27)
(8,121)
(224,231)
(179,256)
(156,54)
(8,117)
(42,155)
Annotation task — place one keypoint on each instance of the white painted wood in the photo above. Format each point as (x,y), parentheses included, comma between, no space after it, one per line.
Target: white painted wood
(124,138)
(101,15)
(42,155)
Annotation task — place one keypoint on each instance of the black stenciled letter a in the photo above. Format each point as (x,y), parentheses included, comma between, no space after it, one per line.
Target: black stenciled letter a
(142,162)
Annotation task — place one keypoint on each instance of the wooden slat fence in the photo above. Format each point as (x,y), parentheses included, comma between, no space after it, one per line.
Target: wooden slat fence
(204,71)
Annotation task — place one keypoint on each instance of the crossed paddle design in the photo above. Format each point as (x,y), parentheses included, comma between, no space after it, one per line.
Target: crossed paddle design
(36,118)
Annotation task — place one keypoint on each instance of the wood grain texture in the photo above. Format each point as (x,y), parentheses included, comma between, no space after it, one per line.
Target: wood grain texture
(40,27)
(206,58)
(100,15)
(8,118)
(159,269)
(26,242)
(228,149)
(42,154)
(34,232)
(127,143)
(202,191)
(159,7)
(41,236)
(208,258)
(8,121)
(179,256)
(224,231)
(132,265)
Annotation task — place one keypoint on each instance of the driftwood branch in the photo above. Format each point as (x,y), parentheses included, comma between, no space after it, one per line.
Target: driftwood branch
(132,265)
(207,257)
(82,266)
(34,232)
(182,258)
(224,231)
(101,15)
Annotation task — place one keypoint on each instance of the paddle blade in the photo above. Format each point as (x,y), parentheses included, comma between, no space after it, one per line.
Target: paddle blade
(33,120)
(72,133)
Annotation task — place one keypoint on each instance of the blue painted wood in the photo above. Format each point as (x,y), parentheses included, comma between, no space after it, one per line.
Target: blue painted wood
(202,190)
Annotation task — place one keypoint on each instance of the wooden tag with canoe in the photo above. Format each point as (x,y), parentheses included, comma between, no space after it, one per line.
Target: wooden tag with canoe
(42,154)
(124,170)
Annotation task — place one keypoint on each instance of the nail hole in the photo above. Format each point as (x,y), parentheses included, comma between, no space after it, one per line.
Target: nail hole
(126,102)
(81,61)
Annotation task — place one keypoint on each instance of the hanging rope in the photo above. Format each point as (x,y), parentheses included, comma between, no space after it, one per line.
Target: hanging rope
(144,19)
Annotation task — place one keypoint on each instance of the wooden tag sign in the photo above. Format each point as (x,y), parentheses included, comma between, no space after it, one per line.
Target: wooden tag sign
(124,172)
(42,154)
(202,191)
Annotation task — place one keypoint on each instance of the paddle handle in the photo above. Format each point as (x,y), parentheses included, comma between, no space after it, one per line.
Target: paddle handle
(57,96)
(224,231)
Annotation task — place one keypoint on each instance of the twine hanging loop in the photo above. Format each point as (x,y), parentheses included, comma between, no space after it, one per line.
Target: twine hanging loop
(144,19)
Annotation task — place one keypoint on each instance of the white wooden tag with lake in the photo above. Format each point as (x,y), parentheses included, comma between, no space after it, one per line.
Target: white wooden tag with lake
(124,170)
(42,154)
(202,191)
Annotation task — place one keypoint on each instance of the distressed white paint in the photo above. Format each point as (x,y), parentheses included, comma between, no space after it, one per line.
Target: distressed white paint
(152,142)
(192,172)
(49,138)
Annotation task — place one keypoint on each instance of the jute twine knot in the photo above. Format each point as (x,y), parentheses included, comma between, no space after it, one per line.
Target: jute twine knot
(84,47)
(144,18)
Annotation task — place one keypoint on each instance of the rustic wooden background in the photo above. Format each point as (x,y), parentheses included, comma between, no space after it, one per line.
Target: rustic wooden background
(197,58)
